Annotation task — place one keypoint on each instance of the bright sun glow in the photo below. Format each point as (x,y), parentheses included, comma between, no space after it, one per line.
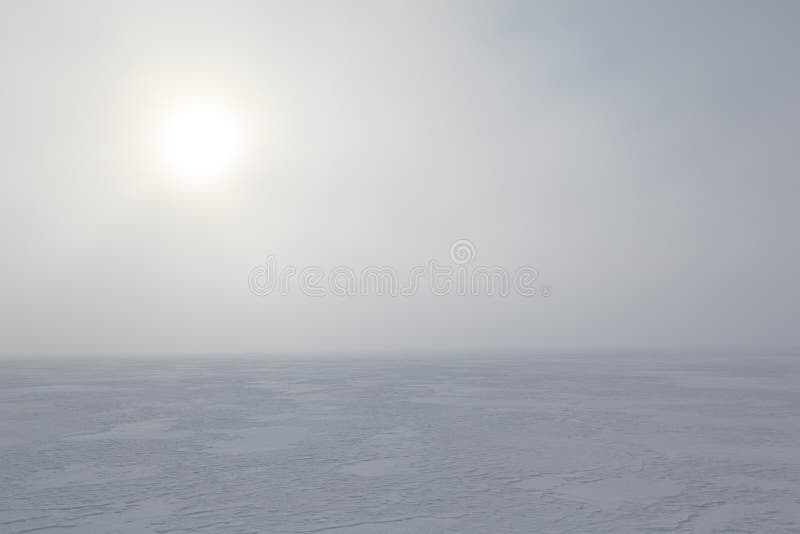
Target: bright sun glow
(201,143)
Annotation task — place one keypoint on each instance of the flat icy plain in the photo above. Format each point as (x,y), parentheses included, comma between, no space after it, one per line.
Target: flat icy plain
(596,443)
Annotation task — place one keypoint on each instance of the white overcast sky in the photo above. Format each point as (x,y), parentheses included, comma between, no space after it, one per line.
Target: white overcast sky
(643,156)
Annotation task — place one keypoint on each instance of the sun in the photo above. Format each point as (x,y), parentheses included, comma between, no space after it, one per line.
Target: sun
(200,143)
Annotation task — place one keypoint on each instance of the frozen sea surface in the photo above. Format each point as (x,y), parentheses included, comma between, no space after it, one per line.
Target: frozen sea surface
(538,444)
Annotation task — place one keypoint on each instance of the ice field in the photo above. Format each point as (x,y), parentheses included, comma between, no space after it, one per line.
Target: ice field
(600,443)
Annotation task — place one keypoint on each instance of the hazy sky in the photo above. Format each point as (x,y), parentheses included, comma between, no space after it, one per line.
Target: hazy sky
(643,156)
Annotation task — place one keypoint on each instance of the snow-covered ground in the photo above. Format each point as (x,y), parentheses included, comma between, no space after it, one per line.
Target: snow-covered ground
(590,444)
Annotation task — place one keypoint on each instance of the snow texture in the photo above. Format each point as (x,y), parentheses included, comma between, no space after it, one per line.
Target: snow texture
(526,444)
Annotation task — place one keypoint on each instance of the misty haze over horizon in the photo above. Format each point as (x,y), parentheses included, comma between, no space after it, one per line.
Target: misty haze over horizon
(399,266)
(640,156)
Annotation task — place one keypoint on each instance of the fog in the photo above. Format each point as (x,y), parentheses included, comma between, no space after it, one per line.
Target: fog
(640,156)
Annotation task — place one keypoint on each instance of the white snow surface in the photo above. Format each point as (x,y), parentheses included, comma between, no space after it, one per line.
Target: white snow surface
(595,443)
